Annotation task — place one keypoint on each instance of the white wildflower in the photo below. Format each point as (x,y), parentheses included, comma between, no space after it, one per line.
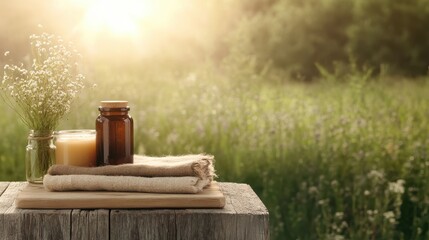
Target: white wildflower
(339,215)
(390,217)
(344,225)
(323,202)
(376,175)
(339,237)
(43,93)
(313,190)
(397,187)
(389,214)
(6,53)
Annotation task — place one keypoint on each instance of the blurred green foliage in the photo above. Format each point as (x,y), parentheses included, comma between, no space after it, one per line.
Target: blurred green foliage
(295,35)
(392,33)
(291,36)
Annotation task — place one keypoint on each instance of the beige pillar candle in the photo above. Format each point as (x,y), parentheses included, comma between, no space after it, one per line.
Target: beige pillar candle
(75,147)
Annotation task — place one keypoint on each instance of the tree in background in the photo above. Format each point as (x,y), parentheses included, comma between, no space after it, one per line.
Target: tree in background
(391,33)
(298,35)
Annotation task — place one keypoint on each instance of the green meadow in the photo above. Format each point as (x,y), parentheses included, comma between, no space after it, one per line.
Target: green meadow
(330,160)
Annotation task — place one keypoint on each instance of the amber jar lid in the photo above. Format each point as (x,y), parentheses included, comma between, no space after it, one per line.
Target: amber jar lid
(114,104)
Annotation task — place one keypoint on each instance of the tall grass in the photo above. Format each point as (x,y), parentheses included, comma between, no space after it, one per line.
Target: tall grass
(330,161)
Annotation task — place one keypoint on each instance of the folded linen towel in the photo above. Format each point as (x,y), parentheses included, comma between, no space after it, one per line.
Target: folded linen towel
(124,183)
(171,174)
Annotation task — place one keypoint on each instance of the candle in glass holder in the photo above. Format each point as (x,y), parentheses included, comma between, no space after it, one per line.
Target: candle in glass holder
(75,147)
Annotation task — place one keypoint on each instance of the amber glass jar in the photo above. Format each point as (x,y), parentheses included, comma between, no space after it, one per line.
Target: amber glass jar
(114,137)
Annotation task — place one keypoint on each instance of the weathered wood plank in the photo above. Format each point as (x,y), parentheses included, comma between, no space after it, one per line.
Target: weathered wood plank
(30,224)
(243,217)
(102,217)
(244,199)
(90,224)
(207,223)
(142,224)
(40,224)
(6,201)
(3,186)
(252,215)
(9,192)
(80,225)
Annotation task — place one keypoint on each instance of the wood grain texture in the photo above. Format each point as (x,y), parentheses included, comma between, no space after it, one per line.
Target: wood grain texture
(90,224)
(142,224)
(207,224)
(9,192)
(251,214)
(235,221)
(243,217)
(103,224)
(3,186)
(36,197)
(27,224)
(41,224)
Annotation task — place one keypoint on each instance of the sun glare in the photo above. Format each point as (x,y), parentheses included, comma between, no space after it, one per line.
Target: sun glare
(120,17)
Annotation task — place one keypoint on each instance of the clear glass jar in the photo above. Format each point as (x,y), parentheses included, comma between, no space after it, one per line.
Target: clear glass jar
(115,136)
(75,147)
(40,155)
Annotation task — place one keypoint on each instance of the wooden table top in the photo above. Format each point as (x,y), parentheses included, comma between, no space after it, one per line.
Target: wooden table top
(243,217)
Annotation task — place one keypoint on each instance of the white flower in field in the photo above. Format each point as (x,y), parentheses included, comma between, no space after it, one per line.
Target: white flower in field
(6,53)
(344,225)
(397,187)
(366,193)
(390,216)
(376,175)
(371,215)
(313,190)
(339,237)
(339,215)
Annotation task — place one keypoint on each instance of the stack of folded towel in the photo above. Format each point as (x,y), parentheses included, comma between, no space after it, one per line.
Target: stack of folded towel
(172,174)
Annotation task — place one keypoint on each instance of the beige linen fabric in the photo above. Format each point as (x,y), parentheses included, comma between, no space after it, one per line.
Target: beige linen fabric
(124,183)
(171,166)
(171,174)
